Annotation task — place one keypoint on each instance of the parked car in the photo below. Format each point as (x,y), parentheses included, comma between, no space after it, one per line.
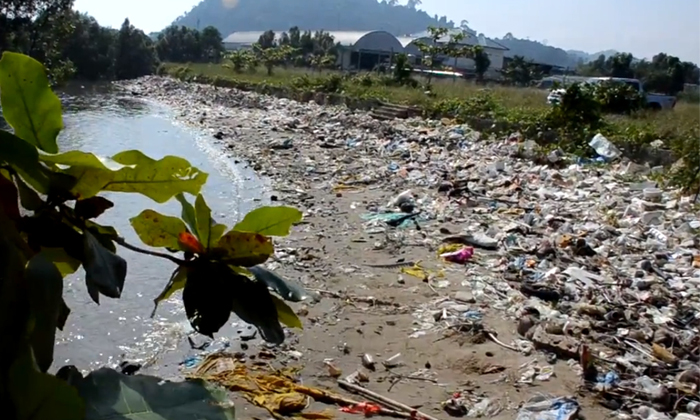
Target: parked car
(654,100)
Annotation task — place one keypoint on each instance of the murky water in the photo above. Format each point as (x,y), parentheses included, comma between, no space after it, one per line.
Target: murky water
(103,121)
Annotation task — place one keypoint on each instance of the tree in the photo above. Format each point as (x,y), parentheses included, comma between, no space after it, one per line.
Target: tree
(402,69)
(663,73)
(412,4)
(180,44)
(91,48)
(135,53)
(482,62)
(38,28)
(241,60)
(521,72)
(48,207)
(271,57)
(431,51)
(294,37)
(620,65)
(267,40)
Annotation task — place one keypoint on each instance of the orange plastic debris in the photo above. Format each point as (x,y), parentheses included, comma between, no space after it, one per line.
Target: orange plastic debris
(368,409)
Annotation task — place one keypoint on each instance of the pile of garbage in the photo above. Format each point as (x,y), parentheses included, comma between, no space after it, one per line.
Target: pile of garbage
(593,260)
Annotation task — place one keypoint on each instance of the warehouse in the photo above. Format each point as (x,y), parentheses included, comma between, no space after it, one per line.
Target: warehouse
(244,40)
(359,50)
(493,49)
(365,50)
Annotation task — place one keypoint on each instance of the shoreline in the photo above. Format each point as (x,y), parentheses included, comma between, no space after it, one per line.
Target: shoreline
(340,167)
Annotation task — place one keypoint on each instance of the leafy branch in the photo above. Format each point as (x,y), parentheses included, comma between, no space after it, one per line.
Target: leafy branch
(49,201)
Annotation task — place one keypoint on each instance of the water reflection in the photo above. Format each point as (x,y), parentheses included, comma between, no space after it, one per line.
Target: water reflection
(99,97)
(100,121)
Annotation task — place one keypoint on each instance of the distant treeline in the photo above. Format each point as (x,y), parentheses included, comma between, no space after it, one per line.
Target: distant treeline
(74,45)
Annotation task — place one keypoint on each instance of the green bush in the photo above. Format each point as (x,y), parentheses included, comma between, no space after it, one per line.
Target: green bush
(618,98)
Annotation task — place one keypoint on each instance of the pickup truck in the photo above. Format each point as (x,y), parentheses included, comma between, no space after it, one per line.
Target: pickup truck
(654,101)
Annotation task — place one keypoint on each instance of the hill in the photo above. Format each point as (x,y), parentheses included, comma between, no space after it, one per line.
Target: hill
(587,57)
(537,51)
(330,15)
(354,15)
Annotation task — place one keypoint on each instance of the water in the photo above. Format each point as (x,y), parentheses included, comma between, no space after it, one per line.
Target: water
(105,122)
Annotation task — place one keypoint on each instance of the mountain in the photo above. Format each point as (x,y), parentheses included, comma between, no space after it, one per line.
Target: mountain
(355,15)
(331,15)
(586,57)
(536,51)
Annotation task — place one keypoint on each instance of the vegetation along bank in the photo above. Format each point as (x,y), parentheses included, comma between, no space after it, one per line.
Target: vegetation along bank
(501,110)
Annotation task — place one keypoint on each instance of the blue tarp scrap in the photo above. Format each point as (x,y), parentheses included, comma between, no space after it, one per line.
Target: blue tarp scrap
(544,407)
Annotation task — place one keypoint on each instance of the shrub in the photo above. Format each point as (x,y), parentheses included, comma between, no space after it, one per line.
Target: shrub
(48,207)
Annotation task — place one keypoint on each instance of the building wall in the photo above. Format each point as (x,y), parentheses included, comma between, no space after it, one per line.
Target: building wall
(234,46)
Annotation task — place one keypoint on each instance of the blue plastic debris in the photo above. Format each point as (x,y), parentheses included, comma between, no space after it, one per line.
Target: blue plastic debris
(545,407)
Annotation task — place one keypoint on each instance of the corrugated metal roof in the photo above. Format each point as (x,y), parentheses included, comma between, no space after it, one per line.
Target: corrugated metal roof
(348,38)
(405,40)
(246,37)
(469,39)
(366,39)
(379,40)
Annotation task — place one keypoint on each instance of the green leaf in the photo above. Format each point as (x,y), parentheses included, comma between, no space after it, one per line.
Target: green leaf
(209,231)
(285,314)
(217,231)
(92,172)
(24,159)
(158,230)
(253,303)
(105,234)
(203,216)
(64,263)
(129,171)
(110,395)
(28,103)
(188,215)
(245,248)
(270,221)
(92,207)
(177,281)
(287,289)
(83,159)
(27,196)
(159,180)
(105,271)
(40,396)
(45,284)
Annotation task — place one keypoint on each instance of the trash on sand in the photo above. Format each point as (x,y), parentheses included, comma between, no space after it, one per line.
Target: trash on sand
(596,263)
(459,257)
(365,408)
(544,407)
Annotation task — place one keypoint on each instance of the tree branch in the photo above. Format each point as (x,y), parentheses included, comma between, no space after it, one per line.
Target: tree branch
(121,241)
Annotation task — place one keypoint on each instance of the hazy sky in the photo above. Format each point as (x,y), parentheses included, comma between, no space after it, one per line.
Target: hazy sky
(642,27)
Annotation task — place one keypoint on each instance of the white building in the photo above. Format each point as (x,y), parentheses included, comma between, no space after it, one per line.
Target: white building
(364,50)
(493,49)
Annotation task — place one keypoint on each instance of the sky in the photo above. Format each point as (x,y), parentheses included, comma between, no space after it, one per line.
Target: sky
(642,27)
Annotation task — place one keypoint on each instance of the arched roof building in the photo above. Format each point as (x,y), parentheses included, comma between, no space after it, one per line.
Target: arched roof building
(356,40)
